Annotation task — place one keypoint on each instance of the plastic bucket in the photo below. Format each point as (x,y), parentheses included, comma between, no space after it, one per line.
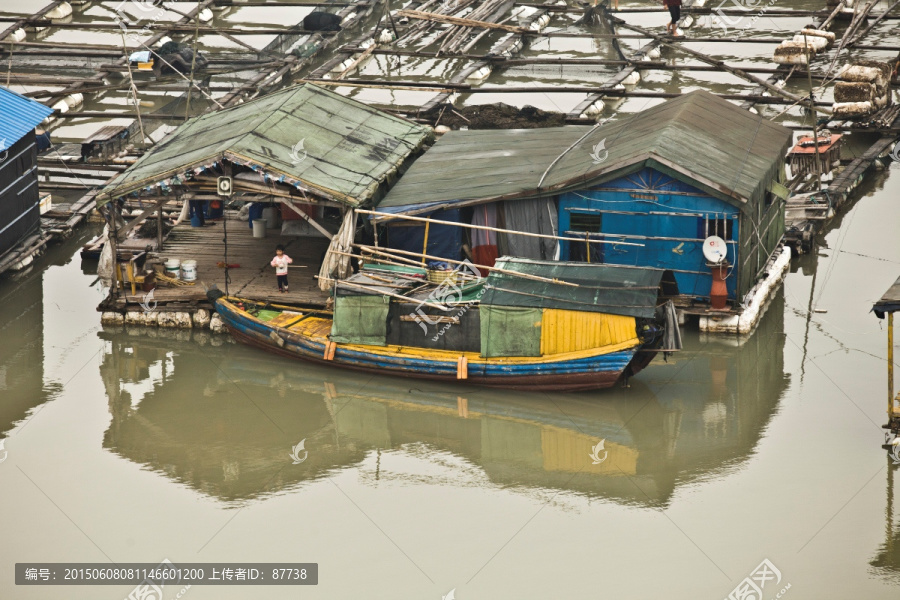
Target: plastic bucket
(173,267)
(189,270)
(270,215)
(259,228)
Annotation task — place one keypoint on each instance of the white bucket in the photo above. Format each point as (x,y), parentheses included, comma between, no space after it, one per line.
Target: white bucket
(173,267)
(259,228)
(189,270)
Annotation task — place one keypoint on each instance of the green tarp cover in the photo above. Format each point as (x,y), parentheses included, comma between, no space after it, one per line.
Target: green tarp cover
(360,320)
(510,331)
(616,290)
(335,146)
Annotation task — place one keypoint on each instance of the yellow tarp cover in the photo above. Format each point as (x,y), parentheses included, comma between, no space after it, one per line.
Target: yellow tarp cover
(573,330)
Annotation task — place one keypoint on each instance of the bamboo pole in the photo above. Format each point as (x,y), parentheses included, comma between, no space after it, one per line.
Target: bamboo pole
(391,294)
(546,236)
(386,252)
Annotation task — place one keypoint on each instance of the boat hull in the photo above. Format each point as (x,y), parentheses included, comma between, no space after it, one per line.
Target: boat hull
(570,373)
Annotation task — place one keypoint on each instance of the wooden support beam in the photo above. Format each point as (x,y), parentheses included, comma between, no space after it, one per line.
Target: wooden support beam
(418,14)
(307,218)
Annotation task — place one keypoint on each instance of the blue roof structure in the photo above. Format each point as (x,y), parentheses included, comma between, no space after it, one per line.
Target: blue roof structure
(18,116)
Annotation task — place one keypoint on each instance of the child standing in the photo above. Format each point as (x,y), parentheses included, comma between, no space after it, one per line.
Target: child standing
(281,262)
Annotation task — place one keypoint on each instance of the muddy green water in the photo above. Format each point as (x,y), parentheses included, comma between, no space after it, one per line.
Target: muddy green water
(132,447)
(138,447)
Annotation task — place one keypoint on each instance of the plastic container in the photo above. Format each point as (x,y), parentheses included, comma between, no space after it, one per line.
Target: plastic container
(189,270)
(270,216)
(173,268)
(259,228)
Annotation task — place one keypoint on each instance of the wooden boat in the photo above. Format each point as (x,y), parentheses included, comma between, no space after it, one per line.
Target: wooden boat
(563,350)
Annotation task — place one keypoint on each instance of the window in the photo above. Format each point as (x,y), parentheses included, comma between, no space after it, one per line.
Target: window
(722,227)
(587,222)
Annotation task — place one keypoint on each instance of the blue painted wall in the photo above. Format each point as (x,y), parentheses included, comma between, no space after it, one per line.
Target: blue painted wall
(667,208)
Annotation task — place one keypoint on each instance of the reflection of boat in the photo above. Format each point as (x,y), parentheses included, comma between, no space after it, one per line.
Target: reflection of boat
(529,325)
(223,420)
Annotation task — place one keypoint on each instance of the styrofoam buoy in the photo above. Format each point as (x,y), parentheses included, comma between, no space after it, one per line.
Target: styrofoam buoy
(60,11)
(205,16)
(594,110)
(441,129)
(348,19)
(480,74)
(18,35)
(163,41)
(813,41)
(386,36)
(73,100)
(698,3)
(654,53)
(687,21)
(61,106)
(753,110)
(633,78)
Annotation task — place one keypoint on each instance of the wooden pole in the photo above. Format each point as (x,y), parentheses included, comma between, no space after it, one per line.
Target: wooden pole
(890,361)
(159,229)
(425,242)
(392,216)
(815,120)
(459,262)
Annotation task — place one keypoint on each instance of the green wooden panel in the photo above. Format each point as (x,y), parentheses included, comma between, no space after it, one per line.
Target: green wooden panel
(360,320)
(510,331)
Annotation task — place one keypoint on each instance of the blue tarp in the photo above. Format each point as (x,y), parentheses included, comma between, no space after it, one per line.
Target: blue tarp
(443,240)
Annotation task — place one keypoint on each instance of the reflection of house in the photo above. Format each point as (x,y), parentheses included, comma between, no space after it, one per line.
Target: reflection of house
(20,216)
(22,384)
(668,178)
(195,422)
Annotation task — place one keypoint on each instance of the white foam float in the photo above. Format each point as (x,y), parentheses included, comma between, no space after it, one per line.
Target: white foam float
(654,53)
(348,19)
(61,11)
(851,109)
(480,74)
(205,16)
(633,78)
(386,36)
(819,43)
(18,35)
(594,110)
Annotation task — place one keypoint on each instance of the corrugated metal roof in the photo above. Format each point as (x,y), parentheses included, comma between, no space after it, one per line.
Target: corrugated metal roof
(332,144)
(699,137)
(18,116)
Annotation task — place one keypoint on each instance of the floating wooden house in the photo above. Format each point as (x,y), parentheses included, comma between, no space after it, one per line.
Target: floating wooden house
(20,219)
(669,178)
(314,153)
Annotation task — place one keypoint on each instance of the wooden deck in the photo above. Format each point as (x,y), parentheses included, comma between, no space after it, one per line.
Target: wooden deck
(253,279)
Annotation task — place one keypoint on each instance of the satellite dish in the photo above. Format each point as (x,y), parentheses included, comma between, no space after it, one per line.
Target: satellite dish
(714,249)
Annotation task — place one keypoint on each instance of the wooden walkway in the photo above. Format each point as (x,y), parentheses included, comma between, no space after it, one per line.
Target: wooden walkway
(253,279)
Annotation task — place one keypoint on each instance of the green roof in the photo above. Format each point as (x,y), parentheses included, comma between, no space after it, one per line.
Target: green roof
(699,138)
(329,144)
(617,290)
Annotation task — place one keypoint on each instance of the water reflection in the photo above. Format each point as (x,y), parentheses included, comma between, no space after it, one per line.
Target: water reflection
(22,363)
(886,562)
(223,419)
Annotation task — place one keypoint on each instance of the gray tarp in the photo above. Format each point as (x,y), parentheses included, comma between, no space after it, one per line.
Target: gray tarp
(534,216)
